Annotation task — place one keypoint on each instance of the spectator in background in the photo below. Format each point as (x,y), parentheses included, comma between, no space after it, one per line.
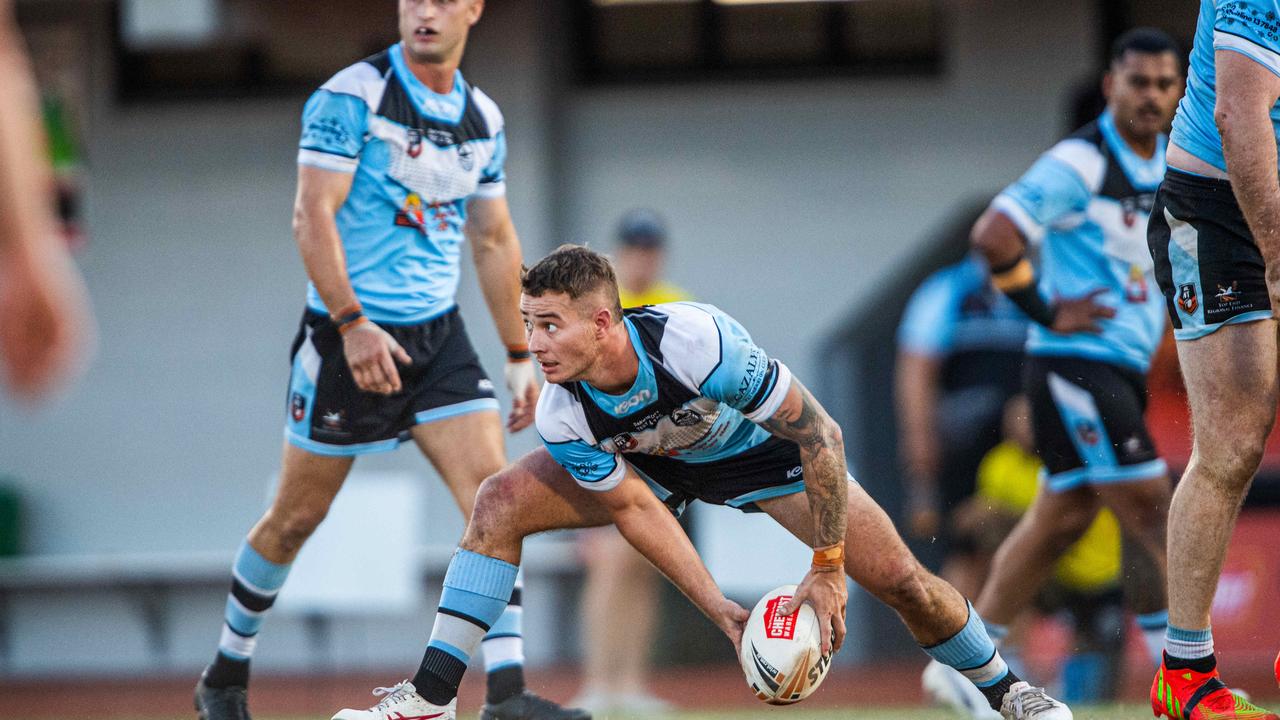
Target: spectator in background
(620,582)
(960,349)
(44,310)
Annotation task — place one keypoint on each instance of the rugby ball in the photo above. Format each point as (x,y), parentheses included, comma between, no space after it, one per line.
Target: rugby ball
(782,656)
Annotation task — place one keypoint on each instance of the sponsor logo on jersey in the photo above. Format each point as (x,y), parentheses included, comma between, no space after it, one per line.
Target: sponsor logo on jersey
(332,420)
(466,157)
(441,137)
(795,472)
(625,442)
(298,407)
(485,385)
(415,143)
(1135,291)
(776,625)
(1228,294)
(412,213)
(685,417)
(633,402)
(1187,299)
(585,469)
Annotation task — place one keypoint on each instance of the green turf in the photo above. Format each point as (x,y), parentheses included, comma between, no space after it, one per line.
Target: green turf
(1107,712)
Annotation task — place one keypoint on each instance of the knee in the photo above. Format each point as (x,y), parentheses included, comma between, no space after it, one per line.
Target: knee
(904,587)
(289,527)
(493,519)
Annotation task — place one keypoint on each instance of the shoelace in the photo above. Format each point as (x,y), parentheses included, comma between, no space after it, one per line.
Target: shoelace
(1034,700)
(391,695)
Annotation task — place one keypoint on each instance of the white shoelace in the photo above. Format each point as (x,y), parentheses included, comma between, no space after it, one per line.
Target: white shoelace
(1034,700)
(393,694)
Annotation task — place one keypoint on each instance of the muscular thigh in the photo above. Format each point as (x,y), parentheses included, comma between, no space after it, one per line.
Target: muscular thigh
(1230,376)
(464,449)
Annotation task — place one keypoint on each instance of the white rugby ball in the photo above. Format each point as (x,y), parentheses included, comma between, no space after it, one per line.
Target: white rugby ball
(782,656)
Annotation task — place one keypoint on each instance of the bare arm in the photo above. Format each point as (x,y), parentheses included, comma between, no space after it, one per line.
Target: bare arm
(44,318)
(917,400)
(496,250)
(1246,93)
(803,421)
(368,349)
(650,528)
(998,240)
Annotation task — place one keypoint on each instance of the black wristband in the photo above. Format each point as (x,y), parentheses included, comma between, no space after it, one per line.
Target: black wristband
(349,318)
(1031,303)
(519,354)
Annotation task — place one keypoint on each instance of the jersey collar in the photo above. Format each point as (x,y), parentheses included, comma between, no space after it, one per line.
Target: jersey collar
(444,108)
(634,398)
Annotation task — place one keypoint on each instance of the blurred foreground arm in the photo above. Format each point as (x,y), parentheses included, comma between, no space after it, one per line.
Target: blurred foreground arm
(45,324)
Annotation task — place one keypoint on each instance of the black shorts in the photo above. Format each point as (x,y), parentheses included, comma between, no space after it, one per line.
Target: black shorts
(1206,262)
(769,470)
(329,415)
(1088,422)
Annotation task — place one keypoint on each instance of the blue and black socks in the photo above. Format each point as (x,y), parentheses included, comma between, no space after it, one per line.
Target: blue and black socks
(972,652)
(255,582)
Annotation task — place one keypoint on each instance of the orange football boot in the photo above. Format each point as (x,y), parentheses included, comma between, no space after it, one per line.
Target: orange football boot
(1190,695)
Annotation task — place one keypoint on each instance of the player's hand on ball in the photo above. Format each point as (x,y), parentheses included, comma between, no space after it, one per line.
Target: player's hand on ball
(731,618)
(827,594)
(1080,314)
(523,385)
(372,355)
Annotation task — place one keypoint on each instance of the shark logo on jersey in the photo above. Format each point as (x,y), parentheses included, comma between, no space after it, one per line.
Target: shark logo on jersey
(689,427)
(685,417)
(1187,299)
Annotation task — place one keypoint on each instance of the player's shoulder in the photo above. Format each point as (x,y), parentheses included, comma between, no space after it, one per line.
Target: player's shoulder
(559,417)
(691,337)
(1084,152)
(366,79)
(488,108)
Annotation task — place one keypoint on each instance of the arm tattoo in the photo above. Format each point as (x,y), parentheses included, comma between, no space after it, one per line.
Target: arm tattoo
(822,456)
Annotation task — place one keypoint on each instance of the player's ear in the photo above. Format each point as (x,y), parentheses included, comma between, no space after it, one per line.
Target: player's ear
(476,10)
(1108,82)
(602,320)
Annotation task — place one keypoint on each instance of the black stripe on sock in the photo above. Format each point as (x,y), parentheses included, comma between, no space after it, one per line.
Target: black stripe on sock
(516,594)
(438,676)
(237,632)
(250,599)
(500,635)
(1204,664)
(995,693)
(503,683)
(461,615)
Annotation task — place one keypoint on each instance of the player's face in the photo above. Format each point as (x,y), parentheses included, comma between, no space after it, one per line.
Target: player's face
(435,31)
(563,336)
(1142,90)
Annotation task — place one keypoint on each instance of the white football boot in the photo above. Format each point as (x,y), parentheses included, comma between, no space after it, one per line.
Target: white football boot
(401,702)
(944,685)
(1024,702)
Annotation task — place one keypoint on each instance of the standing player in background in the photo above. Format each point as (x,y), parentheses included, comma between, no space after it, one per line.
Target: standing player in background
(647,410)
(1086,202)
(400,159)
(44,311)
(1215,237)
(620,582)
(959,361)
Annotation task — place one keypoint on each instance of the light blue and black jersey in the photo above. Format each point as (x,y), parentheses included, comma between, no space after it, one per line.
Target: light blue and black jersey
(958,317)
(1086,202)
(688,423)
(1248,27)
(417,157)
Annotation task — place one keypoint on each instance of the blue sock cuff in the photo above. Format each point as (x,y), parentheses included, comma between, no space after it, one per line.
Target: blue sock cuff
(1158,620)
(258,571)
(481,575)
(969,648)
(1189,636)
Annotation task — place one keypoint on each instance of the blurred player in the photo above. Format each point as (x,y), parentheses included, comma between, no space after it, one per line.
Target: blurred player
(648,410)
(959,360)
(1086,200)
(620,582)
(44,315)
(399,158)
(1215,236)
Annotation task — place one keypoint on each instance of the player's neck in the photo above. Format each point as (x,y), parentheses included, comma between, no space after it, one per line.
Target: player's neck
(1143,147)
(619,364)
(437,77)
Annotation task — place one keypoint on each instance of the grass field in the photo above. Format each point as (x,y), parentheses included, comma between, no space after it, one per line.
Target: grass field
(1109,712)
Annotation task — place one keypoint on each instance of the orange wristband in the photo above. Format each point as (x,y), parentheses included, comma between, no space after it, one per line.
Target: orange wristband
(829,558)
(344,327)
(518,352)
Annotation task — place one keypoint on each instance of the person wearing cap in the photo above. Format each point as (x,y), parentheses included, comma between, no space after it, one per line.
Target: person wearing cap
(620,582)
